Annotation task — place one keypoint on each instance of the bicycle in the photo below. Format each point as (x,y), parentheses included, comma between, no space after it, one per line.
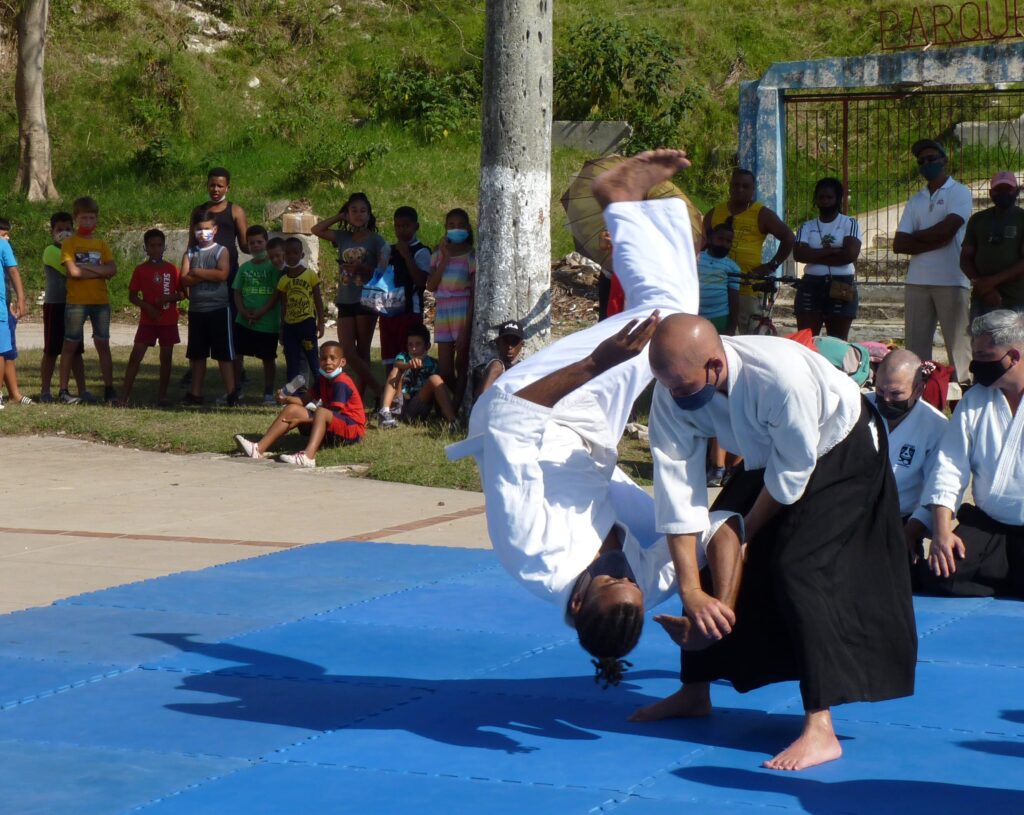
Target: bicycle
(769,290)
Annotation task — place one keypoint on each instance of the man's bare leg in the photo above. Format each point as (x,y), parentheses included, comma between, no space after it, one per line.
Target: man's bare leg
(817,744)
(630,180)
(725,561)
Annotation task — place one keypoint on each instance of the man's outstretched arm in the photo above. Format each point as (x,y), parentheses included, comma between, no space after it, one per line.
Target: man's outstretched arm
(630,341)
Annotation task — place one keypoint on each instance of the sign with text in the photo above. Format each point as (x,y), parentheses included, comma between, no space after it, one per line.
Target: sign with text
(922,26)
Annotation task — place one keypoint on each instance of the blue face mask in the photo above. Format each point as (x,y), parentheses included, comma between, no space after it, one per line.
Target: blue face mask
(697,399)
(458,235)
(333,375)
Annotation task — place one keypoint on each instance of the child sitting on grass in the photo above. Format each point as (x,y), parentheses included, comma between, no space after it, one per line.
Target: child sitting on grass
(155,288)
(337,416)
(417,377)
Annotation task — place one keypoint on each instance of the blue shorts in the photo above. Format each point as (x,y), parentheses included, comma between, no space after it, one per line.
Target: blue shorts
(75,315)
(8,322)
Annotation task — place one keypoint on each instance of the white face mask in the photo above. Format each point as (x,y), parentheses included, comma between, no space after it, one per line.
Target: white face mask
(63,235)
(204,235)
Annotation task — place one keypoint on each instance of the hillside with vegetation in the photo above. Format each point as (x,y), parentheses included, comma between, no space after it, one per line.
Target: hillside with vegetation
(318,98)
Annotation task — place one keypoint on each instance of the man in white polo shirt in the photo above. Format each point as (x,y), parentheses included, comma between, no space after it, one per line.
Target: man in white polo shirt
(984,445)
(931,231)
(914,428)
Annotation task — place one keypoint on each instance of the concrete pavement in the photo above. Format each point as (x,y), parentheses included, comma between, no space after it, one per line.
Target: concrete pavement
(79,516)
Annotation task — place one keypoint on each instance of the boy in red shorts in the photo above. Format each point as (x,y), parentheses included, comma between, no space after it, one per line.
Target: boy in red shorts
(336,416)
(155,288)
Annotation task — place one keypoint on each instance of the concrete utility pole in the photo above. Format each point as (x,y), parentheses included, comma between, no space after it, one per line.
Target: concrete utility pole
(514,251)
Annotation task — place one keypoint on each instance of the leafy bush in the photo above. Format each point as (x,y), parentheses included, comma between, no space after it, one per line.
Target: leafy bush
(328,161)
(606,70)
(429,101)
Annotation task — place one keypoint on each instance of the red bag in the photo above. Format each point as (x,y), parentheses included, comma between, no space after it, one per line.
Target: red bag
(616,298)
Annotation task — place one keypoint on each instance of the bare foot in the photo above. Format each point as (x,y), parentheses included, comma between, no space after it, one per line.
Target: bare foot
(817,744)
(684,633)
(630,180)
(689,702)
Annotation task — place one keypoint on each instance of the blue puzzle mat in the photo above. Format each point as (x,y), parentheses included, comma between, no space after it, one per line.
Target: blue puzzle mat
(382,678)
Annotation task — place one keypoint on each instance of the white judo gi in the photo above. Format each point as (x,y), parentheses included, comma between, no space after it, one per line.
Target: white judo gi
(551,484)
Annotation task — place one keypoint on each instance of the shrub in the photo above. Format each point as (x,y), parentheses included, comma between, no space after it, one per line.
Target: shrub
(427,100)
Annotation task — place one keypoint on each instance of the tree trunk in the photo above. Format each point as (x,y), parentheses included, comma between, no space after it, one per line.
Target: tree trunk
(514,251)
(35,175)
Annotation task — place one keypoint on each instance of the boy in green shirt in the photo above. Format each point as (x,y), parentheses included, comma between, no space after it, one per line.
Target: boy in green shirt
(259,316)
(55,297)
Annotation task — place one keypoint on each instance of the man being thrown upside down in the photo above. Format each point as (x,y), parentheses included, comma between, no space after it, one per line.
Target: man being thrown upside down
(563,519)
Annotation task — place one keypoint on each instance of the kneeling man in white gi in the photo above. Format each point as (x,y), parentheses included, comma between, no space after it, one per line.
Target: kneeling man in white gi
(984,441)
(914,428)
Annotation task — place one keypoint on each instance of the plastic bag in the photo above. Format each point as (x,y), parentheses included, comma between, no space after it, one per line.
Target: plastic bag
(381,294)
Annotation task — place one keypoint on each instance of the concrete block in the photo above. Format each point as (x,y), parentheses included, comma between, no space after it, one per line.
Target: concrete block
(128,243)
(594,137)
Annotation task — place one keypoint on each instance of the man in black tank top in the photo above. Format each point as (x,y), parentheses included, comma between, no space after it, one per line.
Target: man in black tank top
(230,218)
(232,225)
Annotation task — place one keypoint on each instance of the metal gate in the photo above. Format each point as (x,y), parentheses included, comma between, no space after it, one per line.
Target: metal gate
(864,139)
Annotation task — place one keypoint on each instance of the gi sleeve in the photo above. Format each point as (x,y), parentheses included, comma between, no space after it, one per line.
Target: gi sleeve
(679,451)
(951,471)
(793,429)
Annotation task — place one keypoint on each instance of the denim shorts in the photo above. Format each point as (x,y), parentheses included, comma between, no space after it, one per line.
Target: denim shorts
(75,315)
(812,296)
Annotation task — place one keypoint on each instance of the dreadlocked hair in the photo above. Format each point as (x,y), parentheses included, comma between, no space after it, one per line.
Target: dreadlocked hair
(608,637)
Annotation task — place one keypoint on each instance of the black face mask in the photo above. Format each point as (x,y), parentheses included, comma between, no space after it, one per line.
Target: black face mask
(613,564)
(893,410)
(1004,200)
(828,212)
(718,251)
(987,374)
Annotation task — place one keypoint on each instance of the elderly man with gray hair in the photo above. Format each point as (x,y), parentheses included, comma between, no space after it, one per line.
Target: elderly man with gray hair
(984,554)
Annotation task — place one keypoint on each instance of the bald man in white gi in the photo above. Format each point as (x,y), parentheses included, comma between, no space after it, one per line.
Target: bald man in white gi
(914,428)
(562,518)
(824,596)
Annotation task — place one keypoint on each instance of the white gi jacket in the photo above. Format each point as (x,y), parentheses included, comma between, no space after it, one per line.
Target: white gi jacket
(984,440)
(913,448)
(787,406)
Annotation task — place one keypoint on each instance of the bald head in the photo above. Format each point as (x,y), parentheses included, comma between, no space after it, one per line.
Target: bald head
(900,367)
(681,350)
(899,379)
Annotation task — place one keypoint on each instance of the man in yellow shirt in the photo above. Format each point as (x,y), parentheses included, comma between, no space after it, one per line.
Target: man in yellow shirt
(751,223)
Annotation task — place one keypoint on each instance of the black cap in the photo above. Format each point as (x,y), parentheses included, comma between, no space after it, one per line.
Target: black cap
(925,144)
(511,328)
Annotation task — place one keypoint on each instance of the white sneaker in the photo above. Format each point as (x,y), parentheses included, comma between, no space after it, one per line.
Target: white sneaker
(298,459)
(250,448)
(25,401)
(387,419)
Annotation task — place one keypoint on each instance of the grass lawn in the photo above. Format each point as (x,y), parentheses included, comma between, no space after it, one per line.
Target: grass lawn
(411,455)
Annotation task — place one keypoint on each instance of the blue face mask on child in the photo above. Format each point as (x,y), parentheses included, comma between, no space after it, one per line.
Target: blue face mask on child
(458,235)
(332,375)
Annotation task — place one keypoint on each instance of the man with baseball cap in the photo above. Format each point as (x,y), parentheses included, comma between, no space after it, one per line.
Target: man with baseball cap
(931,231)
(509,345)
(992,256)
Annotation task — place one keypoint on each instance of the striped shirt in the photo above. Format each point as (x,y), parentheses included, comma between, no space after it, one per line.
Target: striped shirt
(717,276)
(818,235)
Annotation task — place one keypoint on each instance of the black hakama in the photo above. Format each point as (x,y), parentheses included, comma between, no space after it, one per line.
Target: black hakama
(825,595)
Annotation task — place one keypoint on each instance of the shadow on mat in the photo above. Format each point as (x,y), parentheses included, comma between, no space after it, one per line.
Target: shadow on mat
(877,796)
(330,702)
